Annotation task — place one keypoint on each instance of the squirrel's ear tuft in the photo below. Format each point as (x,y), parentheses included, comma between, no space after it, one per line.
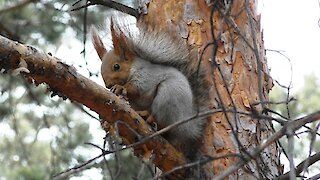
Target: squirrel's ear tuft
(97,43)
(115,31)
(121,42)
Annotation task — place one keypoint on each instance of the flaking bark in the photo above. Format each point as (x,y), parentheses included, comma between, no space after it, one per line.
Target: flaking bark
(227,34)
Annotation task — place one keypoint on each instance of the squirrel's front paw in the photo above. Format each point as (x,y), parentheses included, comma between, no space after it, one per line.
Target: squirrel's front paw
(119,90)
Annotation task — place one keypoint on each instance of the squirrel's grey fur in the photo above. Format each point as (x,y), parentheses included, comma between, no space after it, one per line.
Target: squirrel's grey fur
(172,98)
(162,48)
(172,84)
(184,90)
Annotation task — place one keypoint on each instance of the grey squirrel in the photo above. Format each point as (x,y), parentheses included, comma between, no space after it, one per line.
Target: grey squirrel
(157,73)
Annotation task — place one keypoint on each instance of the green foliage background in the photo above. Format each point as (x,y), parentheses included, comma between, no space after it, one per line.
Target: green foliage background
(42,136)
(304,101)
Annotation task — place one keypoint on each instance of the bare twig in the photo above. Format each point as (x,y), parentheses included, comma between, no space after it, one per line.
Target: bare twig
(85,111)
(315,177)
(290,133)
(111,4)
(288,59)
(311,160)
(312,143)
(200,162)
(293,125)
(256,51)
(71,172)
(277,103)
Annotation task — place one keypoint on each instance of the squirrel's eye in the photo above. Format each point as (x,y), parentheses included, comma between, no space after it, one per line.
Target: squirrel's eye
(116,67)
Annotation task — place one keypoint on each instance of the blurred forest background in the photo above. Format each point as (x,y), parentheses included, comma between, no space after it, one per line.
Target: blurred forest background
(41,136)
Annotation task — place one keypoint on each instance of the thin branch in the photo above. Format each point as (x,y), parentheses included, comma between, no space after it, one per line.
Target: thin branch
(293,125)
(146,139)
(312,144)
(290,133)
(315,177)
(311,160)
(255,51)
(276,103)
(199,162)
(289,60)
(85,111)
(111,4)
(75,169)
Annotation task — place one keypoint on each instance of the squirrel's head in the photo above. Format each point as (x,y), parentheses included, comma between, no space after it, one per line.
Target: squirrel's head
(115,69)
(116,64)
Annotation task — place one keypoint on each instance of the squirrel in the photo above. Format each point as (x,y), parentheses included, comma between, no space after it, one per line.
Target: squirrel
(156,73)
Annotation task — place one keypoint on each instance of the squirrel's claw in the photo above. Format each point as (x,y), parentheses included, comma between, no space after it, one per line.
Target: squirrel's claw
(119,90)
(152,122)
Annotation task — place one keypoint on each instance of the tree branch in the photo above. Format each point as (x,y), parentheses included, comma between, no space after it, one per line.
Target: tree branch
(310,160)
(67,83)
(292,125)
(111,4)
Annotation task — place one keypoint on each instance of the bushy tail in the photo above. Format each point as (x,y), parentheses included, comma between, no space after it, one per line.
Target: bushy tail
(163,48)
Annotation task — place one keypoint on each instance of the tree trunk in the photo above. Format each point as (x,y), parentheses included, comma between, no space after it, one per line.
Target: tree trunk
(236,61)
(229,42)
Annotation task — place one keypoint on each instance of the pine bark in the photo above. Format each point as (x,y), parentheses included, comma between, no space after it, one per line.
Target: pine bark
(239,75)
(237,69)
